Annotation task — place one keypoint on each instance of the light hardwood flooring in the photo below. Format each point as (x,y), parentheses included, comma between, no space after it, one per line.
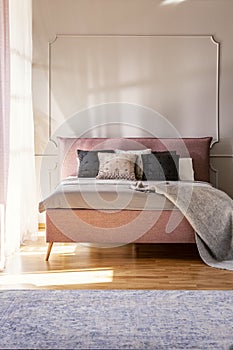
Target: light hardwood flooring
(79,266)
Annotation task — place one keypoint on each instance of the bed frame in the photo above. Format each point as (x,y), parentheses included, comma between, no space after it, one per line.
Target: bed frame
(93,226)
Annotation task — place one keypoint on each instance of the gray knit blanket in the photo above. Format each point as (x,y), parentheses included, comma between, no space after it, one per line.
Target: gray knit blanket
(210,213)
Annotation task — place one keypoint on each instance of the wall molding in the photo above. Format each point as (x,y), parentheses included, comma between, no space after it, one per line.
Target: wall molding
(217,120)
(45,155)
(216,174)
(210,36)
(221,156)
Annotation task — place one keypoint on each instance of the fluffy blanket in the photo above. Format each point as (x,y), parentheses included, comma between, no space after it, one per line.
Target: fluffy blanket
(209,211)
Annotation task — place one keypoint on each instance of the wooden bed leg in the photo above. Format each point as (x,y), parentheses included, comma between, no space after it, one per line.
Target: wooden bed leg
(49,251)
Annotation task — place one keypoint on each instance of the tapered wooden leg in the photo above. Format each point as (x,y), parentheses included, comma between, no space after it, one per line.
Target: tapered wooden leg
(49,251)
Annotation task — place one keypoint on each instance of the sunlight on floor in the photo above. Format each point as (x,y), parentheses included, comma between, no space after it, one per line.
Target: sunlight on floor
(39,247)
(40,278)
(58,278)
(57,249)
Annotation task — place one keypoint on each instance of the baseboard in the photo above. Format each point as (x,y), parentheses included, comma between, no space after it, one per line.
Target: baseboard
(41,226)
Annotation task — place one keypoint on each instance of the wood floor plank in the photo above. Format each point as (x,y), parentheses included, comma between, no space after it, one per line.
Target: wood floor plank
(141,266)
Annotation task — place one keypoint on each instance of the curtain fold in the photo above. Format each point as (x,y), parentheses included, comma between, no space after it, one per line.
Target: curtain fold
(21,210)
(4,118)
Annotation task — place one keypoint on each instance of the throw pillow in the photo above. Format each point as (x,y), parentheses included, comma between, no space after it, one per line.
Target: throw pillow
(138,164)
(186,169)
(160,166)
(89,162)
(116,166)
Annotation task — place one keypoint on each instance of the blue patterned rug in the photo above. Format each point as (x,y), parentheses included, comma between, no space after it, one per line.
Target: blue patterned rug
(86,319)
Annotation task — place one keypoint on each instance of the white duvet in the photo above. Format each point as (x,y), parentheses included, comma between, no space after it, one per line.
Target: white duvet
(89,193)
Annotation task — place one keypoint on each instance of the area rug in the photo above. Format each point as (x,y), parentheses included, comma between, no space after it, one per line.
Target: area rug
(116,319)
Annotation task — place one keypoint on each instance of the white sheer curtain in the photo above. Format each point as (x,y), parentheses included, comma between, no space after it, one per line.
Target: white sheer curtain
(21,214)
(4,118)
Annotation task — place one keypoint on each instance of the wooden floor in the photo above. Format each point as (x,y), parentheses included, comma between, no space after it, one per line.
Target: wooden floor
(145,266)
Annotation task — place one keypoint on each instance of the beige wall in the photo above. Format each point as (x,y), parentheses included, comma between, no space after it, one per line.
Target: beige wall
(199,17)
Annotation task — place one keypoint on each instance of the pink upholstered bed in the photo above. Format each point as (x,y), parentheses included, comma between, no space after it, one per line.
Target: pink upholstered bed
(93,226)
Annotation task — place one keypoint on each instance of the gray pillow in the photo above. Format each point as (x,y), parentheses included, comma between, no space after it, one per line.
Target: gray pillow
(89,162)
(160,166)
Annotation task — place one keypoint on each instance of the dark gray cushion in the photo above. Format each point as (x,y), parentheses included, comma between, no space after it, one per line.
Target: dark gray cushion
(89,162)
(160,166)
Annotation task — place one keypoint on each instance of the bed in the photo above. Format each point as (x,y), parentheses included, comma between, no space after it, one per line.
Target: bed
(114,225)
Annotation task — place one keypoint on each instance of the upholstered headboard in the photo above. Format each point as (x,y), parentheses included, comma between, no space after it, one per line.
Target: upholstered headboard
(196,148)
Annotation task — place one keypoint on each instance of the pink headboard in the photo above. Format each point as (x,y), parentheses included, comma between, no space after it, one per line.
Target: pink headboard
(196,148)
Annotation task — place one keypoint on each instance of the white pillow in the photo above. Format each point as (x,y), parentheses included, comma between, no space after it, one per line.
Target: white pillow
(116,166)
(139,164)
(186,169)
